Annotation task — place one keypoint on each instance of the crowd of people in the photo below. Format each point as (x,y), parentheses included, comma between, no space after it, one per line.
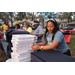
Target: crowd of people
(38,29)
(53,39)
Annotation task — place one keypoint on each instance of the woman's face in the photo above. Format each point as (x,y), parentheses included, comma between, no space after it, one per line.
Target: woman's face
(16,26)
(6,23)
(24,24)
(50,26)
(35,26)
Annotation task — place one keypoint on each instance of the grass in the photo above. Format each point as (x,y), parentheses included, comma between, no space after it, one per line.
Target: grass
(71,45)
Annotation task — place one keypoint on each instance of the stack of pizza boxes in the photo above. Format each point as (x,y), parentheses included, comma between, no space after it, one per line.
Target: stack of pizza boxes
(22,47)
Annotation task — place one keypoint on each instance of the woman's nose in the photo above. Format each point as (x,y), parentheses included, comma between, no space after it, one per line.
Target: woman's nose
(49,27)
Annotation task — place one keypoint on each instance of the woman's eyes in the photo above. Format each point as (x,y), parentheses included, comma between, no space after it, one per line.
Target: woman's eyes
(50,26)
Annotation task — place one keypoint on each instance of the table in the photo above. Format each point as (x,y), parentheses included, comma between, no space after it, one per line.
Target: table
(71,31)
(67,38)
(50,56)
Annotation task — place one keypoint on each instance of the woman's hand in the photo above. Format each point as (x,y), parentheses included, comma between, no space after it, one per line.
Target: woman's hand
(35,47)
(35,44)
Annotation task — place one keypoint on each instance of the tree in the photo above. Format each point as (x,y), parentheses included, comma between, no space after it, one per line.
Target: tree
(4,16)
(41,17)
(73,15)
(48,13)
(31,15)
(66,15)
(11,17)
(20,16)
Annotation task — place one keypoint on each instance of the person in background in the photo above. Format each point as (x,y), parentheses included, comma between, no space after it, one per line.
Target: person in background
(1,33)
(1,30)
(38,31)
(17,26)
(27,26)
(8,25)
(5,27)
(55,38)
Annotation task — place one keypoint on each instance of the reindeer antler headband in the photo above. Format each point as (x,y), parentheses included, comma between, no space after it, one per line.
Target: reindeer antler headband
(52,14)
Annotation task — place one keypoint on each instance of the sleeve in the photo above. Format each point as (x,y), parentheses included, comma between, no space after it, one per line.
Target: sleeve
(2,26)
(58,37)
(45,39)
(8,26)
(30,29)
(40,30)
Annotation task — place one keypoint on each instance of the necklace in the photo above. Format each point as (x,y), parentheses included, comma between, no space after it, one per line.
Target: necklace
(51,36)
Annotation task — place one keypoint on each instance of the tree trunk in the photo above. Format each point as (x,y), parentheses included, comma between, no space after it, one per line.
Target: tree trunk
(33,16)
(11,21)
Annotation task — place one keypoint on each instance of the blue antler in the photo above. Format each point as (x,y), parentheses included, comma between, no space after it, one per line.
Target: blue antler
(52,14)
(44,15)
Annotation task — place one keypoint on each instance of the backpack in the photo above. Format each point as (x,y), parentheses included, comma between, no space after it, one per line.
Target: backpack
(9,34)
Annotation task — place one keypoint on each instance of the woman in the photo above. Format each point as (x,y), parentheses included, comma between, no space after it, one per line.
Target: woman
(38,31)
(28,27)
(5,27)
(17,26)
(55,38)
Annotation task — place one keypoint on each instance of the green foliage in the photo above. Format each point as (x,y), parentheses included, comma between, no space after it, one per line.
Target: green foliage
(66,15)
(20,15)
(4,16)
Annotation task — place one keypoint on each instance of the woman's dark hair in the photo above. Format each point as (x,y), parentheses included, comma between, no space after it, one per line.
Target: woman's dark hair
(5,22)
(18,25)
(56,28)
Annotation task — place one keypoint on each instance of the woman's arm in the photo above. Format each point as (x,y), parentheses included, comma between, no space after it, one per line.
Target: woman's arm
(47,47)
(52,46)
(41,35)
(42,43)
